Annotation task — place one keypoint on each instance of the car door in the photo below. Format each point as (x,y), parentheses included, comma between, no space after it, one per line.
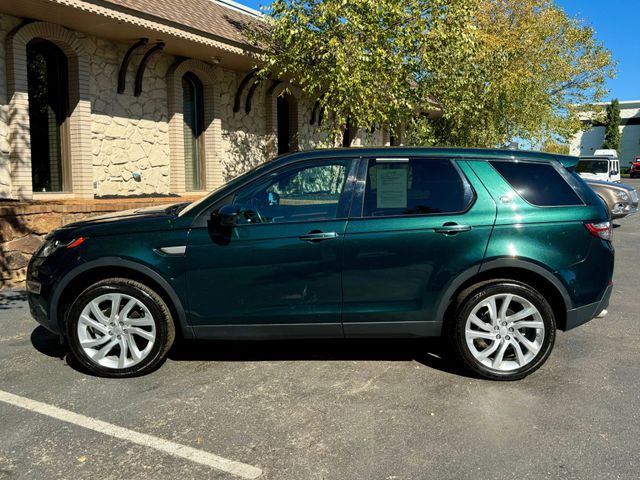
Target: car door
(423,224)
(277,271)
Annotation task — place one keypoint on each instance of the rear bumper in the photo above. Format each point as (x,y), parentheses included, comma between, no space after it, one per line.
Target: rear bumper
(581,315)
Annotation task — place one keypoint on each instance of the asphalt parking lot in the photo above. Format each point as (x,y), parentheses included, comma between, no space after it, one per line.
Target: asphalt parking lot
(329,410)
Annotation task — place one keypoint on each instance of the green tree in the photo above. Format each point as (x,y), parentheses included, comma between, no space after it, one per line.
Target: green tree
(612,124)
(362,58)
(552,146)
(495,70)
(530,65)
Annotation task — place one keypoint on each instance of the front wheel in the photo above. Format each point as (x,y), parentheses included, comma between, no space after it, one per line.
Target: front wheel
(119,328)
(502,330)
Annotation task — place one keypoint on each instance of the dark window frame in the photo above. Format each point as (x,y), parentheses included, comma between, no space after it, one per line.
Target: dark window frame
(197,98)
(56,57)
(283,124)
(286,127)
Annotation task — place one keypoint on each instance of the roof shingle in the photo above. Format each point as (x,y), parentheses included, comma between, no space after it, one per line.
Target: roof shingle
(203,15)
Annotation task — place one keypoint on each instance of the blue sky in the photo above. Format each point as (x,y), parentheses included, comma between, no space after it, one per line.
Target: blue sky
(617,24)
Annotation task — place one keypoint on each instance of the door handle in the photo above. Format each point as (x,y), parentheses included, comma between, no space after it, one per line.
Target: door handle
(452,228)
(315,236)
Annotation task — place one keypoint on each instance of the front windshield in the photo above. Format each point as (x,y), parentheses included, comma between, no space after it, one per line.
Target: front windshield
(593,166)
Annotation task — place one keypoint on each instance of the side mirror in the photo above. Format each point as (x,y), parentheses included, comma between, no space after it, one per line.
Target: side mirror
(227,216)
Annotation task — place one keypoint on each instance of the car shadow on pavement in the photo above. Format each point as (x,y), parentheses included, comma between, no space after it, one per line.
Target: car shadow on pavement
(48,343)
(432,353)
(11,298)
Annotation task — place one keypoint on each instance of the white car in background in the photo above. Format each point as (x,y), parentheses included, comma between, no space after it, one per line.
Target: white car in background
(605,168)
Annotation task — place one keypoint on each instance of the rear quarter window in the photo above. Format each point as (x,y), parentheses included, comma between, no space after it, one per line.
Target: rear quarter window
(540,184)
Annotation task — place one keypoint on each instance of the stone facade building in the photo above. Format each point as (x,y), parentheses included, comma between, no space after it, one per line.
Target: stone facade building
(107,100)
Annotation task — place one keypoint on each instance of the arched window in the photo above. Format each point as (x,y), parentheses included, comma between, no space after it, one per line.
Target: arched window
(287,124)
(193,115)
(349,134)
(48,89)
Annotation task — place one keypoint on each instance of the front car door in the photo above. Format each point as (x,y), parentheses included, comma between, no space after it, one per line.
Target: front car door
(423,224)
(277,272)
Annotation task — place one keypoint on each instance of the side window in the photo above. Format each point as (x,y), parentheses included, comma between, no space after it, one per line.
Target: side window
(538,183)
(310,192)
(414,187)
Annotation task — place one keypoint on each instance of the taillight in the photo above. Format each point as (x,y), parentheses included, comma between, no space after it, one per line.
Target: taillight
(603,230)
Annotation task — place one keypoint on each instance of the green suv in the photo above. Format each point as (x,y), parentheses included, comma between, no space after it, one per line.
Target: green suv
(492,249)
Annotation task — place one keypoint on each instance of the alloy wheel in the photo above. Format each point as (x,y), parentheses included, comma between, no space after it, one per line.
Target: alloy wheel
(505,332)
(116,330)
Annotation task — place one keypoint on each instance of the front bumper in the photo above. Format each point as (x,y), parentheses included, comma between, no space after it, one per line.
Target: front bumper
(38,308)
(586,313)
(43,278)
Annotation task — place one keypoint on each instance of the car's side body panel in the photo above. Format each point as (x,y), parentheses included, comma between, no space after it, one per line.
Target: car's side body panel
(553,238)
(397,269)
(265,274)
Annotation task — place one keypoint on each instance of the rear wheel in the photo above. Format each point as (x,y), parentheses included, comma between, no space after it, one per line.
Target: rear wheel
(119,328)
(502,330)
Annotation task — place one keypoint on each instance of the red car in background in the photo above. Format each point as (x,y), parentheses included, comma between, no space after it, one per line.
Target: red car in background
(635,168)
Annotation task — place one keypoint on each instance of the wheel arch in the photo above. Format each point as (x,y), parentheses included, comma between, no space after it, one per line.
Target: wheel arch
(91,272)
(517,270)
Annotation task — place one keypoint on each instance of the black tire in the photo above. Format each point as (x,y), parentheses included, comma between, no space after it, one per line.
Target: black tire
(161,316)
(463,307)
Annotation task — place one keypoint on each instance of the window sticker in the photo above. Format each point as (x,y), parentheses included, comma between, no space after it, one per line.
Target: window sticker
(391,187)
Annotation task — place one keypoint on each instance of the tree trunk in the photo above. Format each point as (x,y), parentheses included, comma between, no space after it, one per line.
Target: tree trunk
(339,138)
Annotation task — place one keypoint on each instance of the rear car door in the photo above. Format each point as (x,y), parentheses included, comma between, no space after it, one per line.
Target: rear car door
(420,225)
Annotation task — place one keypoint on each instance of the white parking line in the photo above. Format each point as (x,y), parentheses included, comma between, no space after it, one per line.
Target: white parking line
(198,456)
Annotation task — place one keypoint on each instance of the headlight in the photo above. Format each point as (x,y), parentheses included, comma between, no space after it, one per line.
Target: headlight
(622,195)
(52,245)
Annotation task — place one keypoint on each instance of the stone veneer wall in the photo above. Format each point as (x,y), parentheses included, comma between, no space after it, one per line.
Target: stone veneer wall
(243,141)
(131,134)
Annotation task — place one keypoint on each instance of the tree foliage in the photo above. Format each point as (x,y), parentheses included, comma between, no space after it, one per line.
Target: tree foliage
(612,124)
(553,146)
(495,70)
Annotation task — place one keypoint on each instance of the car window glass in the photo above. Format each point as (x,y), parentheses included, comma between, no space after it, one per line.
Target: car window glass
(592,166)
(538,183)
(414,187)
(309,192)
